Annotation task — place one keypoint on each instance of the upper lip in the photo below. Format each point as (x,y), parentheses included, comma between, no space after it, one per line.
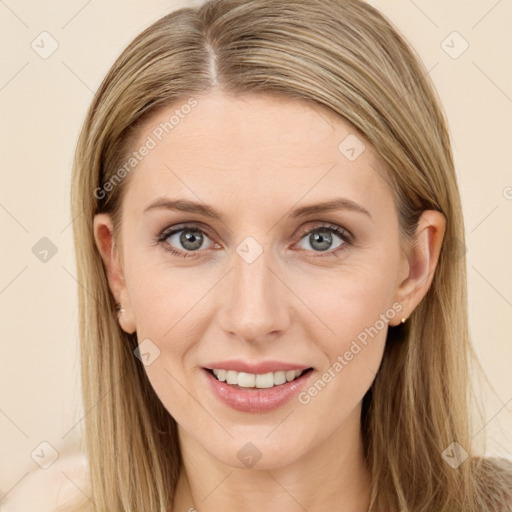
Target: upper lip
(255,367)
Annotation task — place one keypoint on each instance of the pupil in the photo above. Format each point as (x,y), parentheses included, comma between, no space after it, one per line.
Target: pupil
(191,240)
(325,241)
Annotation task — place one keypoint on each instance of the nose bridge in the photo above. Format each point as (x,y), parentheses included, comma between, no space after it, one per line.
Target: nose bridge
(255,305)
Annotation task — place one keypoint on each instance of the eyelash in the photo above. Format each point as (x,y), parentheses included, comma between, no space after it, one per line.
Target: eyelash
(345,235)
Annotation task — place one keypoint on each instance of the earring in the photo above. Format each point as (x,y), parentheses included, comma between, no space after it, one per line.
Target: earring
(403,320)
(120,310)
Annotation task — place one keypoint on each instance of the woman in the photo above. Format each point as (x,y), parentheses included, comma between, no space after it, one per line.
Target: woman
(273,307)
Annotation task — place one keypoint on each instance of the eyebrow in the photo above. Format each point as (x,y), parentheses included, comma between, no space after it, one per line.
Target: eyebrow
(184,205)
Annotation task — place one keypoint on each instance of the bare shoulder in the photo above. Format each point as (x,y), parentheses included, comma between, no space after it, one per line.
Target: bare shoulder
(45,490)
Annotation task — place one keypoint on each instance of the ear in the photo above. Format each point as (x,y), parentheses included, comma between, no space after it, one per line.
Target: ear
(420,261)
(104,238)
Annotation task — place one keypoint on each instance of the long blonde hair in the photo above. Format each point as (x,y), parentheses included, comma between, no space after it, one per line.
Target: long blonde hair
(346,56)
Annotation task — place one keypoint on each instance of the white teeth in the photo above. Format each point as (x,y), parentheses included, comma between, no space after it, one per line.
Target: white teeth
(291,374)
(279,378)
(246,380)
(261,381)
(220,374)
(265,380)
(231,377)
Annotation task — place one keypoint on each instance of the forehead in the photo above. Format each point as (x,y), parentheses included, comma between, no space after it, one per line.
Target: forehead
(261,149)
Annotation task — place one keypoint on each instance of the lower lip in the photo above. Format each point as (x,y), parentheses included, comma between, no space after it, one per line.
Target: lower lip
(256,399)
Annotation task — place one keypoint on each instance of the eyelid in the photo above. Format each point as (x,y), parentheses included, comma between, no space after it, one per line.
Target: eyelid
(170,230)
(341,232)
(165,233)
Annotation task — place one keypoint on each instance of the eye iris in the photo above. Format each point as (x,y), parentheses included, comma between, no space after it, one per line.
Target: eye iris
(324,239)
(195,238)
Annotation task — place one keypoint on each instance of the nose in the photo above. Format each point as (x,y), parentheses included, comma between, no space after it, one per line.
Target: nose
(255,302)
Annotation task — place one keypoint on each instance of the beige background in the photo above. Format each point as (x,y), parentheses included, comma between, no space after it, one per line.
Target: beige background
(43,103)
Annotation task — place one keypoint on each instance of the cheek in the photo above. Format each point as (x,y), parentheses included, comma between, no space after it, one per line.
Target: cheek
(358,320)
(172,304)
(164,299)
(168,311)
(355,308)
(352,298)
(345,325)
(170,307)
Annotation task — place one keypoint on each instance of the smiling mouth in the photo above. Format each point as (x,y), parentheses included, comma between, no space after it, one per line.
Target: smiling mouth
(243,380)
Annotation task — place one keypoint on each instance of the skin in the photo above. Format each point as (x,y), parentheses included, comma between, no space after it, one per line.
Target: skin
(254,159)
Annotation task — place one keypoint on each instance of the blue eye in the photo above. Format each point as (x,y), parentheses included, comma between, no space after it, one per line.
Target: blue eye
(191,238)
(320,238)
(186,241)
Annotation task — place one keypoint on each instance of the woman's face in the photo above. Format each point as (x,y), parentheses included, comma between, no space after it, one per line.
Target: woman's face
(253,277)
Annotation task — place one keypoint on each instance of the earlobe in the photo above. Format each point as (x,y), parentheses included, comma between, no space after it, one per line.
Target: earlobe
(126,320)
(104,238)
(422,259)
